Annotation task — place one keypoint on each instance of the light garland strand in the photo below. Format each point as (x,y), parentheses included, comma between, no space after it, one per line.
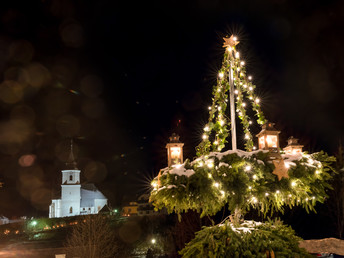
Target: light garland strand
(216,130)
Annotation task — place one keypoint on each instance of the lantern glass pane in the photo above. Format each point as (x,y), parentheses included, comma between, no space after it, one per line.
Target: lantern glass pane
(261,142)
(271,141)
(175,152)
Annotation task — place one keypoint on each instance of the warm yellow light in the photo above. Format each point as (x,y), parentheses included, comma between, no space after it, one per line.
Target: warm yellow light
(175,152)
(248,168)
(204,137)
(255,177)
(257,100)
(209,175)
(216,185)
(271,140)
(236,91)
(250,77)
(221,75)
(254,147)
(206,128)
(244,104)
(277,192)
(237,55)
(235,38)
(250,88)
(250,122)
(216,142)
(222,192)
(247,136)
(242,63)
(317,172)
(222,122)
(266,194)
(293,184)
(209,108)
(261,142)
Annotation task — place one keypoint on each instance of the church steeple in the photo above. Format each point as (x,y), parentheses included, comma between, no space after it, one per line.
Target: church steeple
(71,163)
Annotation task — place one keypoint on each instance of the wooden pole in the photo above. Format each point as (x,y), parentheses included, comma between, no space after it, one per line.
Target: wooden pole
(232,108)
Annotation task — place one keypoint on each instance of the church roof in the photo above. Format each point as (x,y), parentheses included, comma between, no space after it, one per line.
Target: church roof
(89,192)
(71,163)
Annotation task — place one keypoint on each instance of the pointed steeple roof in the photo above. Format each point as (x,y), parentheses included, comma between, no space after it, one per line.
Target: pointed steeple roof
(71,163)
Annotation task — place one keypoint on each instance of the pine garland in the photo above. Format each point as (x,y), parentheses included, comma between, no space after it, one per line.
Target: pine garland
(242,180)
(249,239)
(216,130)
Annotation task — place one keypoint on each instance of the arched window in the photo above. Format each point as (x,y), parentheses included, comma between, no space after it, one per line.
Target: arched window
(70,178)
(71,210)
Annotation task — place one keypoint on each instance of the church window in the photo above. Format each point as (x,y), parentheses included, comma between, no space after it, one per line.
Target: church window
(71,210)
(70,178)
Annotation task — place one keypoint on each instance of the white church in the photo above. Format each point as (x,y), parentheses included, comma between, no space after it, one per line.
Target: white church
(76,199)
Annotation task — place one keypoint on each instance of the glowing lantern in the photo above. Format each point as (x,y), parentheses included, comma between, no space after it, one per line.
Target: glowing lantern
(293,146)
(174,151)
(268,138)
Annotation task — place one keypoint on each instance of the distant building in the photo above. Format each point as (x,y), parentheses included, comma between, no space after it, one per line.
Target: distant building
(130,210)
(76,199)
(146,208)
(4,220)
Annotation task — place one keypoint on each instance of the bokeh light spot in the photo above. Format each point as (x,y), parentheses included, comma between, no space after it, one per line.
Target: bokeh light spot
(27,160)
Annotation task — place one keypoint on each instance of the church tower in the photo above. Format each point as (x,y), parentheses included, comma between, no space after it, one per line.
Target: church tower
(70,188)
(76,198)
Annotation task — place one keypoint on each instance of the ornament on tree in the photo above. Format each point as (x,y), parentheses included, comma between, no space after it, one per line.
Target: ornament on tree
(280,169)
(230,42)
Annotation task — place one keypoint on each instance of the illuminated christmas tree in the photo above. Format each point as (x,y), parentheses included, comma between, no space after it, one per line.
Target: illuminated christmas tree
(266,179)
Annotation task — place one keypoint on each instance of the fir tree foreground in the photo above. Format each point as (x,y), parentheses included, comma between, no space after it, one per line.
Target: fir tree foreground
(242,180)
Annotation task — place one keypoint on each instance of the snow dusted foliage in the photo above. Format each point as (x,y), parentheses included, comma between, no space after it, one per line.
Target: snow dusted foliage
(249,239)
(242,180)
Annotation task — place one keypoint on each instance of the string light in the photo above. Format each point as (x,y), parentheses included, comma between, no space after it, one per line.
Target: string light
(244,104)
(221,75)
(250,88)
(204,137)
(206,128)
(293,184)
(255,177)
(317,172)
(248,168)
(250,77)
(216,185)
(236,91)
(277,192)
(242,63)
(210,164)
(266,194)
(257,100)
(237,55)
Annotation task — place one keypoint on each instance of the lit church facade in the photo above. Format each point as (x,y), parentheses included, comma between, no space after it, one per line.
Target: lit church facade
(76,199)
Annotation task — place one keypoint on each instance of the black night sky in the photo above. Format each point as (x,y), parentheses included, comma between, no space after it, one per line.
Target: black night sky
(121,76)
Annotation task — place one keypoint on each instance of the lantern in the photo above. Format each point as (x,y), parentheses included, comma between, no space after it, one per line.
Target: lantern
(174,151)
(293,146)
(268,138)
